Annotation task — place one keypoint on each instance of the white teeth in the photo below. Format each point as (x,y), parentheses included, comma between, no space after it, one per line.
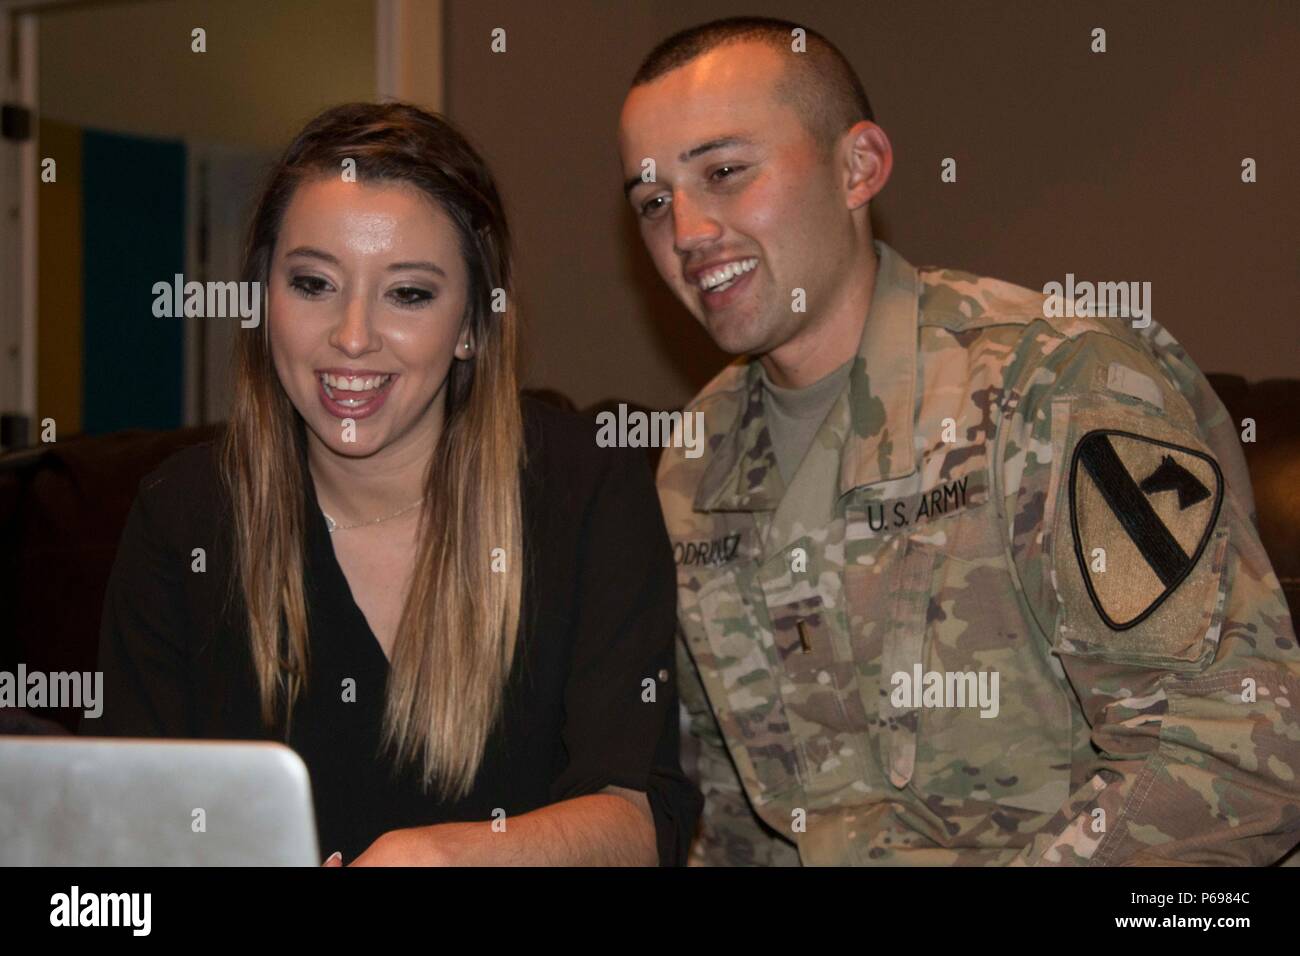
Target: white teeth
(713,280)
(341,383)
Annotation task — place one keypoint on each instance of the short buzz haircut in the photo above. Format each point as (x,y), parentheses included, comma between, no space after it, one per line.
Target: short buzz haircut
(820,84)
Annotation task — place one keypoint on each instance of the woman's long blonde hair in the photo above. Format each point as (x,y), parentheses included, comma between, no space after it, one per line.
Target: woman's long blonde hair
(456,639)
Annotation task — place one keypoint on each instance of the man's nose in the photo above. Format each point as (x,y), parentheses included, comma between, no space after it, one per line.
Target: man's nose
(692,224)
(354,334)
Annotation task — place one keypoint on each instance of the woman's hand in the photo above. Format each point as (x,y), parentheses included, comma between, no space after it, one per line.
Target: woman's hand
(412,846)
(614,827)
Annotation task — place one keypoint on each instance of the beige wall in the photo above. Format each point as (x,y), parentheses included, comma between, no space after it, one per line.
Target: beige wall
(269,66)
(58,236)
(1120,166)
(128,67)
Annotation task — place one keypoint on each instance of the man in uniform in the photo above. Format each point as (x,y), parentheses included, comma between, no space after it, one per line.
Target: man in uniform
(963,578)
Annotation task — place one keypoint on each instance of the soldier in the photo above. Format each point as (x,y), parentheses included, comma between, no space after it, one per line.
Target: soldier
(962,579)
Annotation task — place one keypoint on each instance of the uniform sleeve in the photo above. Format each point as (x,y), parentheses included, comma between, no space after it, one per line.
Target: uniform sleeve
(142,651)
(1140,566)
(730,833)
(620,702)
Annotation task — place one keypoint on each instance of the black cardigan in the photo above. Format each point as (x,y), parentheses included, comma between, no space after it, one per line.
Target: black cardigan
(598,619)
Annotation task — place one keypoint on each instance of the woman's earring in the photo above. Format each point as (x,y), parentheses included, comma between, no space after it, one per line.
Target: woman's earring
(466,349)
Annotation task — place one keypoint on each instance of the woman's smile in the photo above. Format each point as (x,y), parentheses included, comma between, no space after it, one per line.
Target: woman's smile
(354,393)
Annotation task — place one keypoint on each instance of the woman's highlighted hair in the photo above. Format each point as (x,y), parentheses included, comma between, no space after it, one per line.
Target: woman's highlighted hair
(456,639)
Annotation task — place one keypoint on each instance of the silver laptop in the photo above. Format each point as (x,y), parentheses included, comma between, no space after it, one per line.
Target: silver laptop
(86,801)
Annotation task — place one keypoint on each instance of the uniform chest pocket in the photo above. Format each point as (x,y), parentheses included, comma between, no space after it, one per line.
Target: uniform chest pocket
(969,710)
(731,641)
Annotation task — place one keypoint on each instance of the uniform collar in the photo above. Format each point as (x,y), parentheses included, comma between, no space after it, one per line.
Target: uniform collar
(875,420)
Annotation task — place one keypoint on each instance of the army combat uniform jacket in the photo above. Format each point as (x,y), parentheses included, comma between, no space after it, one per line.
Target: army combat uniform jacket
(1011,609)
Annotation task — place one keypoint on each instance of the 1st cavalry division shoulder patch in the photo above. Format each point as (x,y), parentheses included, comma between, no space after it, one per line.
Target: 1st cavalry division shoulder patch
(1150,506)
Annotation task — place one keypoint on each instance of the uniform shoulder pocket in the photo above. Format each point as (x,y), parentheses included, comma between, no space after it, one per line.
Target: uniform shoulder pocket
(1139,551)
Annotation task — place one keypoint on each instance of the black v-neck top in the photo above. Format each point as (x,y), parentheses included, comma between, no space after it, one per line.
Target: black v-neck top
(598,620)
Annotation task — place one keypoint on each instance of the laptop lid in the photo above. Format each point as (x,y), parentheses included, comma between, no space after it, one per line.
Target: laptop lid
(85,801)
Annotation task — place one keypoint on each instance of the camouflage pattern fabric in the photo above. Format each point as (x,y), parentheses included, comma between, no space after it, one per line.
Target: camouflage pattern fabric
(931,530)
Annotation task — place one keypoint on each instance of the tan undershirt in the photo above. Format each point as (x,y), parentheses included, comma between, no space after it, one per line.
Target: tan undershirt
(793,415)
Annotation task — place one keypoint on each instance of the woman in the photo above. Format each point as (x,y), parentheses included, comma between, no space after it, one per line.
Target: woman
(447,600)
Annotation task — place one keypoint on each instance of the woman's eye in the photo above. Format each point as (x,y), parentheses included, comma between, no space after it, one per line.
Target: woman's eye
(411,296)
(308,286)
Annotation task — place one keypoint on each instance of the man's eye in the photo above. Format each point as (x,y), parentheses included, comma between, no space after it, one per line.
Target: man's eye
(308,286)
(648,208)
(411,296)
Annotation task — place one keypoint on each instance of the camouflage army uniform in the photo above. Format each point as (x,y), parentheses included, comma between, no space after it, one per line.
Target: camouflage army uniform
(931,527)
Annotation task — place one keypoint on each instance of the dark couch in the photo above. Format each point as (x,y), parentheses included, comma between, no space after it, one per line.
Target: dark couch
(63,506)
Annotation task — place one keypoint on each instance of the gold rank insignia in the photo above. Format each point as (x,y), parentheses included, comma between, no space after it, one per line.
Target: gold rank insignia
(1142,511)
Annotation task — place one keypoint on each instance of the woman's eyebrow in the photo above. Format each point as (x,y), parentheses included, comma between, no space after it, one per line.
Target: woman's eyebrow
(311,252)
(424,264)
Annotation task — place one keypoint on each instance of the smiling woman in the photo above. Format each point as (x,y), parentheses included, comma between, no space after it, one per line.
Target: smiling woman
(451,603)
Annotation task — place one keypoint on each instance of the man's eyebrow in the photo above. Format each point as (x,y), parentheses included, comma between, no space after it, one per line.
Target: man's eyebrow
(722,143)
(311,252)
(685,157)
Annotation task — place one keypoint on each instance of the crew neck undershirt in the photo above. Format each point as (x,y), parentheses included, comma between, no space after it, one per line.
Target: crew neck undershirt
(793,415)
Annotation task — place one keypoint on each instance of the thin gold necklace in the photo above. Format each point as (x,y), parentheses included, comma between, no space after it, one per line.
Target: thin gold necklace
(333,525)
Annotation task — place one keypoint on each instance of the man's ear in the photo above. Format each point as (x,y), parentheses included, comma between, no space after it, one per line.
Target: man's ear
(868,159)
